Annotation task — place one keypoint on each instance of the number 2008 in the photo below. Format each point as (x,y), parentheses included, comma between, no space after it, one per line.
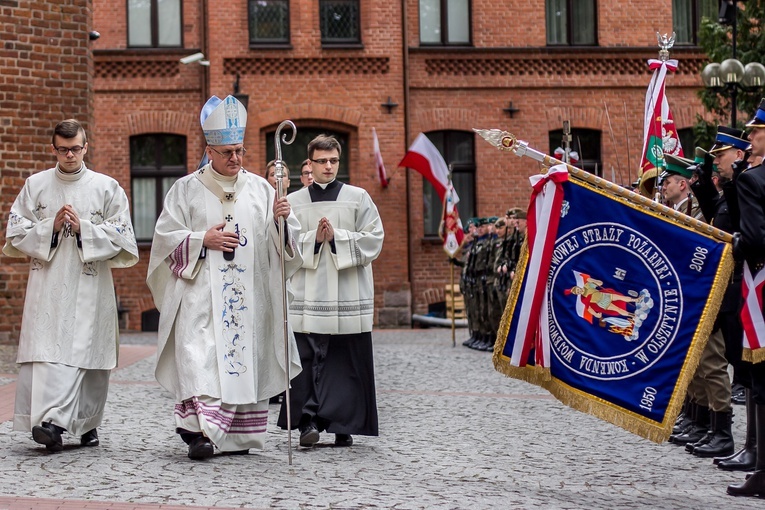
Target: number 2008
(699,257)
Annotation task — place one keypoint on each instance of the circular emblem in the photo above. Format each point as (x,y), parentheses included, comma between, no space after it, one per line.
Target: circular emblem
(615,301)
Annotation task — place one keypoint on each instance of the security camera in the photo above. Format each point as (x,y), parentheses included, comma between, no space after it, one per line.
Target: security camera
(93,35)
(196,57)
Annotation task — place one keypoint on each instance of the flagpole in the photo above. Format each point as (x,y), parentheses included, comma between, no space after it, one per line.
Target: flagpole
(505,141)
(280,192)
(451,289)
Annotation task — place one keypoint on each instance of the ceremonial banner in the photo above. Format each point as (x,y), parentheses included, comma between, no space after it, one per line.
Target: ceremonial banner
(659,131)
(451,229)
(611,305)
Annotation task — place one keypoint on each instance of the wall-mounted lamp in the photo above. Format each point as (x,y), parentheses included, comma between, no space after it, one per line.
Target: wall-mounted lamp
(195,57)
(511,110)
(242,98)
(390,105)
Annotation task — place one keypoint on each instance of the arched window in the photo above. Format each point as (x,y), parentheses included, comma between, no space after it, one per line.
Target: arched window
(297,152)
(586,143)
(156,162)
(457,148)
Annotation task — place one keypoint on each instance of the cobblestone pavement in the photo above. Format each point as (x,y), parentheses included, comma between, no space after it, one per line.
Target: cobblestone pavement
(454,434)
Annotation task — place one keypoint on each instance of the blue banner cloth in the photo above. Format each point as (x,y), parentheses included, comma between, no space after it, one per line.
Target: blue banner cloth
(632,299)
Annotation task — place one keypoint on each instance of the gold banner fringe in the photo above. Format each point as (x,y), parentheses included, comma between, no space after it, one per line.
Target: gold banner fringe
(657,432)
(753,355)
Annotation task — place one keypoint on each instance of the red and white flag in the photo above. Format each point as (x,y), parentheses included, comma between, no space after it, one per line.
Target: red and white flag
(451,230)
(381,173)
(659,131)
(751,316)
(543,218)
(424,157)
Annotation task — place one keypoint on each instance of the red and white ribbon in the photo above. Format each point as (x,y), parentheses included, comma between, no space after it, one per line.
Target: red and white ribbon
(542,226)
(751,313)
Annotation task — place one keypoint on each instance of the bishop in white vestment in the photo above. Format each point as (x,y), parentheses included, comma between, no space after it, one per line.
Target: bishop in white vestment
(69,332)
(215,275)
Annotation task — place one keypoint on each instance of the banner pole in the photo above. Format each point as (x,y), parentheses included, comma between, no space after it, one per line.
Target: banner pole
(454,341)
(505,141)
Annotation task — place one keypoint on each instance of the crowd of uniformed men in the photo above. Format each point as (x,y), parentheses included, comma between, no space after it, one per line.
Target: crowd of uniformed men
(489,255)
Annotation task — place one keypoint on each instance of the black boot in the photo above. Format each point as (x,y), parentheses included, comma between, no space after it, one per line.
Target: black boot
(690,415)
(470,340)
(684,419)
(744,459)
(755,484)
(698,430)
(721,443)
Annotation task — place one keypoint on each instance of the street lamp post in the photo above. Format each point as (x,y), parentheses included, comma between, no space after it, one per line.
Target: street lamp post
(731,75)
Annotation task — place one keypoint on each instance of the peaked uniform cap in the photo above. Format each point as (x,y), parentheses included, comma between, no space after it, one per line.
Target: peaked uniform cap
(223,121)
(728,138)
(675,165)
(759,117)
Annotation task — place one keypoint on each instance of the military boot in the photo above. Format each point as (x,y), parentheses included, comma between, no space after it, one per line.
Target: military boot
(744,459)
(684,419)
(721,442)
(698,430)
(755,484)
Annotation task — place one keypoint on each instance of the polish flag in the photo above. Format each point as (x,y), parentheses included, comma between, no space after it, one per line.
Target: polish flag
(751,315)
(423,157)
(381,173)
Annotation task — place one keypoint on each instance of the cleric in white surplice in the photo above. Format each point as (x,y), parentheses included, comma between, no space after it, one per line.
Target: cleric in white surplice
(220,341)
(75,226)
(333,310)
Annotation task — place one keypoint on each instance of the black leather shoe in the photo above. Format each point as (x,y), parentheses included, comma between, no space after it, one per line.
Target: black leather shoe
(744,460)
(236,452)
(343,440)
(90,438)
(201,448)
(309,436)
(49,435)
(753,486)
(738,395)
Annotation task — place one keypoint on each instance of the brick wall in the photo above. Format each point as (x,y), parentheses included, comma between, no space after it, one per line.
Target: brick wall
(45,70)
(149,91)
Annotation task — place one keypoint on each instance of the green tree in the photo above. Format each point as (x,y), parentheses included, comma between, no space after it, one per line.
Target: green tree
(716,41)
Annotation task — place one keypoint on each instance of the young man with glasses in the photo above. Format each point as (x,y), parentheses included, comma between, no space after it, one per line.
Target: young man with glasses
(75,226)
(306,173)
(333,308)
(215,275)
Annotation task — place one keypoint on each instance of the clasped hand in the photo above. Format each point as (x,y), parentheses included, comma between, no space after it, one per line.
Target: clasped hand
(324,232)
(66,215)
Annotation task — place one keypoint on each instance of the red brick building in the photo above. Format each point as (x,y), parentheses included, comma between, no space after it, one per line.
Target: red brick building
(441,67)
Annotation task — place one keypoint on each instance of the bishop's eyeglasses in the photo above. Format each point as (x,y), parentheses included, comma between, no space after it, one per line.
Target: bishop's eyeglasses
(65,150)
(241,151)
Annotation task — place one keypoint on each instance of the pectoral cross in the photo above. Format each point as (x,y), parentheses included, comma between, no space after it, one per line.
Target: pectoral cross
(228,218)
